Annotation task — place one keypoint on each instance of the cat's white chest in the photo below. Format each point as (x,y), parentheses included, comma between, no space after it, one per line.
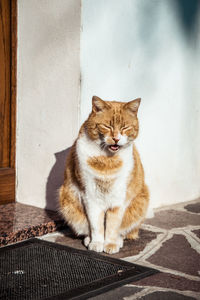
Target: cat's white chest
(105,189)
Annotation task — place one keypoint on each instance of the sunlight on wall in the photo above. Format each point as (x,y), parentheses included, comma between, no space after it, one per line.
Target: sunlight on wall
(149,49)
(129,49)
(48,96)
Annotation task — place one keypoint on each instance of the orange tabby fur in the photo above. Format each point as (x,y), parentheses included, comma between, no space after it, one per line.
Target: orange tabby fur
(112,120)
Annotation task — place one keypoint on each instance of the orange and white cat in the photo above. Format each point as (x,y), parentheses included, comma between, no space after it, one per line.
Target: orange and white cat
(104,196)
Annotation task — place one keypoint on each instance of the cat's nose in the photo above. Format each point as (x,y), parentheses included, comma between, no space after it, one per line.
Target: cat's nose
(115,140)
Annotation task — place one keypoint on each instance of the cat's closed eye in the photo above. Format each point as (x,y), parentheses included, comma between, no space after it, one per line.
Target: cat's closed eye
(104,128)
(126,128)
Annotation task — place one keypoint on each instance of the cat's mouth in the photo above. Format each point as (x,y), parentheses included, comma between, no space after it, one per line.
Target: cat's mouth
(114,148)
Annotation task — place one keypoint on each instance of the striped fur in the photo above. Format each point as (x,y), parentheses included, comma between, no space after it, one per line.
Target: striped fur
(104,196)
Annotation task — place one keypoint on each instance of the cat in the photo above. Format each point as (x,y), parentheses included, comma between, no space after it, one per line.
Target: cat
(104,196)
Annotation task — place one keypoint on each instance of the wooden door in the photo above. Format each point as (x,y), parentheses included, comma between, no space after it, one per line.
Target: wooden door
(8,37)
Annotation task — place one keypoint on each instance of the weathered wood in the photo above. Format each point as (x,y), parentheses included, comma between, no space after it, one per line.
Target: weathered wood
(13,80)
(7,185)
(8,49)
(5,83)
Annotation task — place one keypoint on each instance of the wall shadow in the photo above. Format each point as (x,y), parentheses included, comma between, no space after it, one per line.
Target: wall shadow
(188,12)
(55,180)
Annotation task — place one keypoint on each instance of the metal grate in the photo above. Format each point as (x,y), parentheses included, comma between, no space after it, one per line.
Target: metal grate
(37,269)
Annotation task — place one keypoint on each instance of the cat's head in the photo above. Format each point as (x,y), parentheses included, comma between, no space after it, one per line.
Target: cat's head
(113,125)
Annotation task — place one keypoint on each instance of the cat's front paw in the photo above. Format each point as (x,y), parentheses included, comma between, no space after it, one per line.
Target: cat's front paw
(86,241)
(96,246)
(111,248)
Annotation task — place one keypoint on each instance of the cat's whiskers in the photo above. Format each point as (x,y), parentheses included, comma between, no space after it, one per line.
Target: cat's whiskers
(103,145)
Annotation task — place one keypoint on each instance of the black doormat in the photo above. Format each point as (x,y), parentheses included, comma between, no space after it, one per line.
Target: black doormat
(37,269)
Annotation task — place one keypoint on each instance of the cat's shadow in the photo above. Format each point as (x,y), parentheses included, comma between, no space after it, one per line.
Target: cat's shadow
(55,180)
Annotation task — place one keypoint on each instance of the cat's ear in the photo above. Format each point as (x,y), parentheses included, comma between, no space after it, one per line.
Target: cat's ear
(98,104)
(133,105)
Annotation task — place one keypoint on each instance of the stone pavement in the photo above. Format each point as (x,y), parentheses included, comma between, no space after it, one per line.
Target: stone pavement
(169,242)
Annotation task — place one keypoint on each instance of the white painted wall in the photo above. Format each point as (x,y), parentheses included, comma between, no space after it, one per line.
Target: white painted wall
(47,95)
(140,48)
(129,49)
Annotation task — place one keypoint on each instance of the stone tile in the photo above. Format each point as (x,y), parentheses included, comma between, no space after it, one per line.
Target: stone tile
(197,232)
(71,241)
(168,219)
(170,281)
(117,294)
(195,207)
(19,222)
(166,296)
(177,254)
(130,248)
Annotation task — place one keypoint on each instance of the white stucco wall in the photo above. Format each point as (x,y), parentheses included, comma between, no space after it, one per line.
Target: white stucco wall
(47,95)
(149,49)
(129,49)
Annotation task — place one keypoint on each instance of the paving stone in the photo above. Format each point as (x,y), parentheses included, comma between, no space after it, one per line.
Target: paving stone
(195,207)
(117,294)
(177,254)
(165,296)
(167,280)
(197,232)
(168,219)
(130,247)
(71,241)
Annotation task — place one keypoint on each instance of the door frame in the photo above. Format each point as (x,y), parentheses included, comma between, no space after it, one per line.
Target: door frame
(13,80)
(7,175)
